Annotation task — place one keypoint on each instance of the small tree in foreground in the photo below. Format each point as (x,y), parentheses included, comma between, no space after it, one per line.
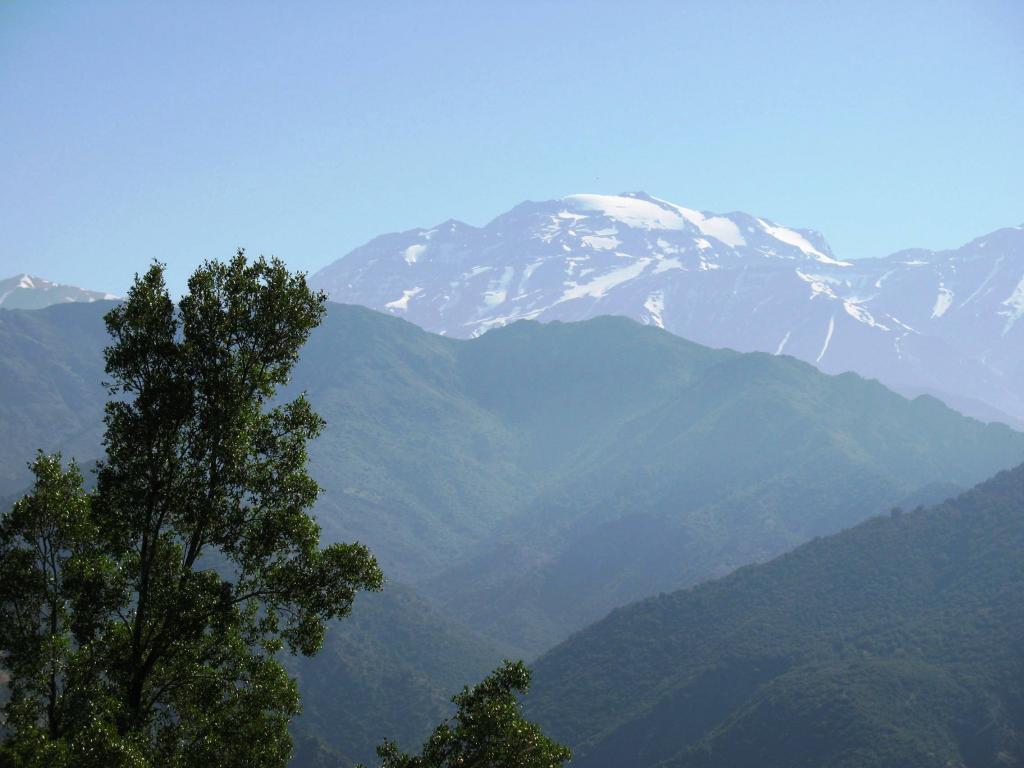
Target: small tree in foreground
(487,731)
(140,624)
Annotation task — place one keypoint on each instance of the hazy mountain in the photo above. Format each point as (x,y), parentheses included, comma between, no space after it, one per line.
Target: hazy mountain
(51,386)
(658,463)
(29,292)
(388,671)
(895,644)
(920,321)
(533,478)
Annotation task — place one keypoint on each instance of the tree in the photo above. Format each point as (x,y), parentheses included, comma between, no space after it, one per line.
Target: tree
(153,610)
(487,731)
(48,564)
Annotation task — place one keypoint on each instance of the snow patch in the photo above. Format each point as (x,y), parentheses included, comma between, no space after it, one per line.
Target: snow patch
(413,252)
(722,229)
(664,265)
(718,227)
(655,306)
(819,284)
(644,214)
(600,286)
(599,243)
(903,325)
(528,271)
(942,302)
(1014,307)
(665,246)
(638,214)
(985,282)
(860,314)
(403,302)
(790,237)
(883,278)
(828,338)
(497,292)
(782,344)
(482,326)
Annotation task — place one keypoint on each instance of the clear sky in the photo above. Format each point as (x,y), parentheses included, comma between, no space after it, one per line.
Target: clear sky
(178,131)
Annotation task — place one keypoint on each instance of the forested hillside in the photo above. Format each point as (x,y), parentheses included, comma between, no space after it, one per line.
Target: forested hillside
(387,671)
(536,477)
(895,644)
(51,386)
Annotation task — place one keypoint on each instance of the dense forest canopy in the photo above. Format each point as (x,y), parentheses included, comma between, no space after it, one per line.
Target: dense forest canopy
(896,643)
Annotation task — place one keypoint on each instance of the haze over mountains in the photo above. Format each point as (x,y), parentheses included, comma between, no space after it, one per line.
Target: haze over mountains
(897,644)
(527,480)
(490,473)
(944,322)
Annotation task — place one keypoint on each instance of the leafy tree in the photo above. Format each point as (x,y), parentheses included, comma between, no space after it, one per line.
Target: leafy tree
(48,586)
(141,624)
(487,731)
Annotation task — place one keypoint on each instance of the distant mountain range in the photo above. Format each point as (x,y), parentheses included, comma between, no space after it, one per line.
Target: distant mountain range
(897,644)
(529,480)
(533,478)
(946,322)
(29,292)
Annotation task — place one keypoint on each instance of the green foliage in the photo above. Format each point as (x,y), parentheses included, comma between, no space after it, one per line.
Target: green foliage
(387,670)
(530,480)
(488,729)
(141,624)
(896,643)
(55,587)
(534,478)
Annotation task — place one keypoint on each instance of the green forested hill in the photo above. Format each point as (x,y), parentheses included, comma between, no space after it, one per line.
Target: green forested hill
(51,386)
(387,671)
(530,480)
(897,643)
(536,477)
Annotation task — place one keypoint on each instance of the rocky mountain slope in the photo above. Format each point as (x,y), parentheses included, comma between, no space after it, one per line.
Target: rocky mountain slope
(945,322)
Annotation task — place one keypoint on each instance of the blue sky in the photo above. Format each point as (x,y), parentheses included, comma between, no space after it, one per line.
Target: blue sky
(178,131)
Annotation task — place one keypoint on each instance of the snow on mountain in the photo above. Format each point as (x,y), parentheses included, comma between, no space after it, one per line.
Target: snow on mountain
(29,292)
(946,323)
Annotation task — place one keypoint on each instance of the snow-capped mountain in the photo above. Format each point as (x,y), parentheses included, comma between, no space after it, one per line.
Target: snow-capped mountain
(30,292)
(946,322)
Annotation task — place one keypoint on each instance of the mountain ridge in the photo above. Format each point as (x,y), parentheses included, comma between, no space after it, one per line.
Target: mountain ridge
(529,480)
(942,321)
(894,643)
(25,291)
(488,472)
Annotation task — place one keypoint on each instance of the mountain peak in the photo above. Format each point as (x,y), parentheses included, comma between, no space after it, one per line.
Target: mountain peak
(725,280)
(25,291)
(559,259)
